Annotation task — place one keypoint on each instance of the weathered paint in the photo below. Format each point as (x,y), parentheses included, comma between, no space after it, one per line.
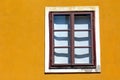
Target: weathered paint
(22,30)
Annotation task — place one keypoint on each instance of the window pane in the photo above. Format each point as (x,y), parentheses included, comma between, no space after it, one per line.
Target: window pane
(61,38)
(82,38)
(83,55)
(82,22)
(61,56)
(61,22)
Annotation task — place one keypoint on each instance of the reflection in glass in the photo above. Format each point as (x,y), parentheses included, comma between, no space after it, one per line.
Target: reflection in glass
(61,56)
(61,38)
(82,38)
(83,55)
(82,21)
(61,22)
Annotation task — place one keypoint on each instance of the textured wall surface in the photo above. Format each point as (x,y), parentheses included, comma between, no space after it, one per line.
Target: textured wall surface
(22,39)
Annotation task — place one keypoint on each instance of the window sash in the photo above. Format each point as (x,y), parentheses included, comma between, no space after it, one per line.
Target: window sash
(71,46)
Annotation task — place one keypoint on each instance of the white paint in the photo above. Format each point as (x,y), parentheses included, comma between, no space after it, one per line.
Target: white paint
(72,8)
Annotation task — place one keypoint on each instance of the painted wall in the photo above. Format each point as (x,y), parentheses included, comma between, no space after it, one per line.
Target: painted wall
(22,39)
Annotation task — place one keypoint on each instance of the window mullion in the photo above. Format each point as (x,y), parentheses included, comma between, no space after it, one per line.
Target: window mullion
(72,37)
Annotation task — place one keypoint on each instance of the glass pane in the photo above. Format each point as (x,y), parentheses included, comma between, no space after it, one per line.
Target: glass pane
(83,55)
(61,22)
(61,38)
(82,21)
(61,56)
(82,38)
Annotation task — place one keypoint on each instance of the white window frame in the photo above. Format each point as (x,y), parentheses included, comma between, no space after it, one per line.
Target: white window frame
(97,38)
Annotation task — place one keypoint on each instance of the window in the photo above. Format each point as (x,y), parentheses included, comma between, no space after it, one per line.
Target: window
(72,41)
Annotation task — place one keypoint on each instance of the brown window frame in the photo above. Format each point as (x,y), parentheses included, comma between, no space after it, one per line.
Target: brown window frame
(71,30)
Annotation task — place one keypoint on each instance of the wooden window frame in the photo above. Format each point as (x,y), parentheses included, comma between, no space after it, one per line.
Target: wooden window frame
(72,47)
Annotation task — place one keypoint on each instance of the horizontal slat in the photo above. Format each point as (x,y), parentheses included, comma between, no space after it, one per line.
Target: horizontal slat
(61,46)
(61,30)
(82,46)
(83,30)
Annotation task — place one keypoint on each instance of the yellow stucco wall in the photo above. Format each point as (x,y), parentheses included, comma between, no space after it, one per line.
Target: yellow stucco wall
(22,39)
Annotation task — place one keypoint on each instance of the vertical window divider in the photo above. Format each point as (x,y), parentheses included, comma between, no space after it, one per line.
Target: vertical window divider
(93,22)
(93,38)
(52,38)
(72,37)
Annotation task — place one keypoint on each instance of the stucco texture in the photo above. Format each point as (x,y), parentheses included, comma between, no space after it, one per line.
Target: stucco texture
(22,33)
